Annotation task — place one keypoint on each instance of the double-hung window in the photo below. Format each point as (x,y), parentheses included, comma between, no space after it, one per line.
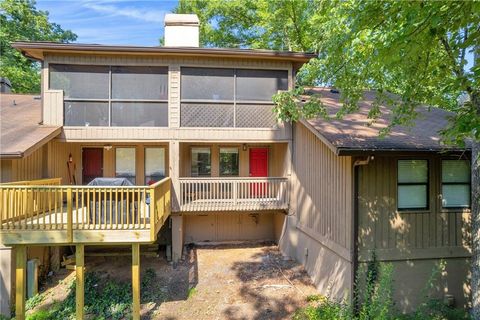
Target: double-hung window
(412,185)
(154,164)
(201,162)
(455,183)
(112,95)
(228,161)
(125,163)
(227,97)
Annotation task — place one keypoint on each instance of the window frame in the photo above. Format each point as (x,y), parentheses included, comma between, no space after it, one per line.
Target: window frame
(427,184)
(135,163)
(191,161)
(469,184)
(220,163)
(110,100)
(145,161)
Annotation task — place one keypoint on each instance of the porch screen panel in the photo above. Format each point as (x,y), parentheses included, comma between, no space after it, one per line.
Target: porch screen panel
(125,163)
(140,83)
(139,114)
(79,81)
(85,113)
(154,164)
(456,183)
(412,184)
(207,84)
(259,85)
(255,116)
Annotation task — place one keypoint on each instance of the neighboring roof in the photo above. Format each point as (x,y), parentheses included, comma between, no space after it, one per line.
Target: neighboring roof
(20,133)
(36,50)
(353,133)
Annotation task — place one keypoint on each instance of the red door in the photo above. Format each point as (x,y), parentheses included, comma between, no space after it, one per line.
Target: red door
(92,164)
(258,168)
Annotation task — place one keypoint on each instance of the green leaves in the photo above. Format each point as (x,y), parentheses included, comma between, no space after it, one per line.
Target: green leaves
(20,20)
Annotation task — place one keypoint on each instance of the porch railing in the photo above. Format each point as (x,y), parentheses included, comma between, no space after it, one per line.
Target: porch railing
(237,194)
(43,205)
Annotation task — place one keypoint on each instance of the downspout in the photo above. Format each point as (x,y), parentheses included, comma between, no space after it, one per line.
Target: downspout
(356,164)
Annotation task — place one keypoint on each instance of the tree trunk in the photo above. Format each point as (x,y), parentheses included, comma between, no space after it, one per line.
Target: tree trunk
(475,283)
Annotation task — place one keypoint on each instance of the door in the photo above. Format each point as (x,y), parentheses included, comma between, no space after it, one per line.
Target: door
(258,168)
(92,164)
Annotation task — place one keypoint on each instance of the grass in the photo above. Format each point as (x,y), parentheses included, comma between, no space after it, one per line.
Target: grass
(191,292)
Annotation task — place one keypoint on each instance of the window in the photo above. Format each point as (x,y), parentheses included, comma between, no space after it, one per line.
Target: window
(219,97)
(125,163)
(154,165)
(228,161)
(112,95)
(455,183)
(412,180)
(201,162)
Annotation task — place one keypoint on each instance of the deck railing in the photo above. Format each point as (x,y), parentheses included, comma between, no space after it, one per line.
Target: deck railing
(46,205)
(238,194)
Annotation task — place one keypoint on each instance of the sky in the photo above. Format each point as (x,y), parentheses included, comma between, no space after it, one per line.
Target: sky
(111,22)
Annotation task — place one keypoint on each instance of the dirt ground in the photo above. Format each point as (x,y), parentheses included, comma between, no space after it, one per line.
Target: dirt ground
(212,282)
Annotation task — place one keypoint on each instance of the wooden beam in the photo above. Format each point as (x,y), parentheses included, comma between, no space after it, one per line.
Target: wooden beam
(20,281)
(136,281)
(80,285)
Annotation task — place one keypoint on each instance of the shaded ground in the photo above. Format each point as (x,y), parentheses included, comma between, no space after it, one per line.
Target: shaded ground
(213,282)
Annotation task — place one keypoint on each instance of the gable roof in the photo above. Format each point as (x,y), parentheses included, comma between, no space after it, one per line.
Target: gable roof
(36,50)
(20,131)
(353,134)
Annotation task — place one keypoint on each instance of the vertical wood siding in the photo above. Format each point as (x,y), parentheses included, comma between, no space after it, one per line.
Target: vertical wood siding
(321,189)
(31,167)
(387,230)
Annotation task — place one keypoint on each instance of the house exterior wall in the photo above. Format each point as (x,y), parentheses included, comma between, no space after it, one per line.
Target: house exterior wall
(60,151)
(53,100)
(318,230)
(228,226)
(413,241)
(277,158)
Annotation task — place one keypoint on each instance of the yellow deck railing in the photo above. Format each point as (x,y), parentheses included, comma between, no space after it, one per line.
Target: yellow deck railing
(45,205)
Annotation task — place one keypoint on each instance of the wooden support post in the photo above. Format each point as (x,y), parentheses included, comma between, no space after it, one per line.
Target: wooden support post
(80,285)
(177,237)
(69,215)
(20,281)
(136,281)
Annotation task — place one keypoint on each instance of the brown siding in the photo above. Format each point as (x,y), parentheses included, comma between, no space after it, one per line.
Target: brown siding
(318,230)
(414,241)
(384,228)
(33,166)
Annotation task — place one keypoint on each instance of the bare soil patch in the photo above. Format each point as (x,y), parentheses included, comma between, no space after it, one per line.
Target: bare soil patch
(235,282)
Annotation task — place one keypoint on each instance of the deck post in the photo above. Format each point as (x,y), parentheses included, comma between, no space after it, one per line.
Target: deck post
(69,215)
(80,278)
(177,237)
(136,281)
(20,281)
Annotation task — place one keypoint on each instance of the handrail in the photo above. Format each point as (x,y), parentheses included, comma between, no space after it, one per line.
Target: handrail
(70,208)
(220,194)
(38,182)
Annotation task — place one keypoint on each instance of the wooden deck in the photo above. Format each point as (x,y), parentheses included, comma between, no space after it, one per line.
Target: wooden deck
(43,212)
(233,194)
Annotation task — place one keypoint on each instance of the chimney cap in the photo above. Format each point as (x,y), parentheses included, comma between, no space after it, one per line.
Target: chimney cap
(175,19)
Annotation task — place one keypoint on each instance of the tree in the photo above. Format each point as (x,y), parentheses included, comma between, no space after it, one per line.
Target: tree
(414,49)
(20,20)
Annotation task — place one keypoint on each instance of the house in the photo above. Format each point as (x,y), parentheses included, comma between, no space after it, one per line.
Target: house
(191,133)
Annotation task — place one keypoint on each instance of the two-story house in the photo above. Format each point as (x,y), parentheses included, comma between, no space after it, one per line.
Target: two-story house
(190,136)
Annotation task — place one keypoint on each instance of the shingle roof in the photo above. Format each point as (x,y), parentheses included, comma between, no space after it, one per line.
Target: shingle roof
(20,132)
(353,132)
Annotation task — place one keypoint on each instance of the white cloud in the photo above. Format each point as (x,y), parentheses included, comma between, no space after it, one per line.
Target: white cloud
(147,15)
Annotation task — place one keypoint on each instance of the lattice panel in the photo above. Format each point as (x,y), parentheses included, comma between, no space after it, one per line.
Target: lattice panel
(255,116)
(206,115)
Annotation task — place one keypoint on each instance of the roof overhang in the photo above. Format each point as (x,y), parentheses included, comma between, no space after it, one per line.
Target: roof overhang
(18,154)
(37,51)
